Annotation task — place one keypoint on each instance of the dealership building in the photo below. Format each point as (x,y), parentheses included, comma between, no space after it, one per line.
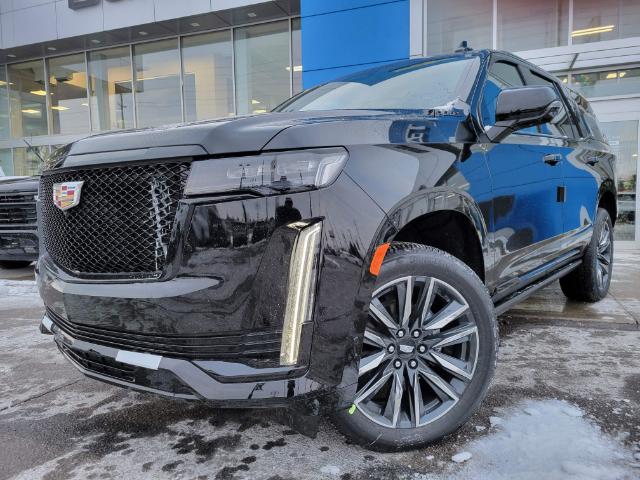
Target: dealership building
(69,68)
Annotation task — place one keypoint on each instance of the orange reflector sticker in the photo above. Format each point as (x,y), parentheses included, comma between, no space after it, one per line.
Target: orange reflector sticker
(378,258)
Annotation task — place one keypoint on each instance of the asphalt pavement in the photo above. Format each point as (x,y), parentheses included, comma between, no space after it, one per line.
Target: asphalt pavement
(573,368)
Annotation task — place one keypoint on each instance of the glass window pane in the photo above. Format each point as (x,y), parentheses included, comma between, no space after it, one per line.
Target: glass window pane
(451,21)
(4,103)
(26,160)
(525,25)
(28,99)
(208,91)
(110,86)
(6,162)
(604,84)
(68,93)
(296,55)
(596,20)
(262,66)
(623,138)
(157,71)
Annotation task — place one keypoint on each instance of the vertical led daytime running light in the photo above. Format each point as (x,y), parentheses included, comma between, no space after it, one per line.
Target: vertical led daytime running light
(301,290)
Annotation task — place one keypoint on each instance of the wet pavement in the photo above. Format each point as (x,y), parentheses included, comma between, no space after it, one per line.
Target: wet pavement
(57,424)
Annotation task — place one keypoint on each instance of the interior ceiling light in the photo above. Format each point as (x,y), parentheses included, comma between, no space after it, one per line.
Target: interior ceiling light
(260,110)
(84,104)
(11,55)
(621,74)
(611,75)
(52,49)
(59,108)
(95,40)
(142,33)
(592,30)
(255,102)
(31,111)
(194,24)
(252,15)
(40,93)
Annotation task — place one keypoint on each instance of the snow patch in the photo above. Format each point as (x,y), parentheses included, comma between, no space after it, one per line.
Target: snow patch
(461,457)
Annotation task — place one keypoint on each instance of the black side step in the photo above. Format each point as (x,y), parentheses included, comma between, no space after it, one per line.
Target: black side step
(517,297)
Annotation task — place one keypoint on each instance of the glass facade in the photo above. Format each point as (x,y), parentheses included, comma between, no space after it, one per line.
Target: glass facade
(157,82)
(28,99)
(187,78)
(522,25)
(623,138)
(451,21)
(68,94)
(607,83)
(207,84)
(262,67)
(597,20)
(111,94)
(526,25)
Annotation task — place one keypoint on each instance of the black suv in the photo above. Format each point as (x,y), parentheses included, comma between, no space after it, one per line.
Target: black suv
(18,222)
(349,250)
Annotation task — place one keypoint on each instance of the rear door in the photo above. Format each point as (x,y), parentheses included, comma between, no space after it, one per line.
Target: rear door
(581,153)
(526,171)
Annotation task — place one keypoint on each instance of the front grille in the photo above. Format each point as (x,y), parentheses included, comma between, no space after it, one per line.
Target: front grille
(123,222)
(18,210)
(262,346)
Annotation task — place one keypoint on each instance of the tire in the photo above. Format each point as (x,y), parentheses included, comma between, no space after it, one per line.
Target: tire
(392,428)
(591,280)
(13,264)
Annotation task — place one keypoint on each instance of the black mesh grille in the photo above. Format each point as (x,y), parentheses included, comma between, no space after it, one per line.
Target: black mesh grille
(123,222)
(18,209)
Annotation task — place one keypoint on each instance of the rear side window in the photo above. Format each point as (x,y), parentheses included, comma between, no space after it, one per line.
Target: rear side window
(562,125)
(586,117)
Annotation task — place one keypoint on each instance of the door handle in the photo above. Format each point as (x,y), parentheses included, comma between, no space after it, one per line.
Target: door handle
(592,161)
(552,159)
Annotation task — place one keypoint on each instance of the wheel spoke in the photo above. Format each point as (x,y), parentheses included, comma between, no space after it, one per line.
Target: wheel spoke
(603,259)
(394,402)
(370,362)
(405,292)
(454,336)
(427,300)
(416,398)
(440,387)
(382,315)
(452,365)
(374,339)
(372,387)
(445,316)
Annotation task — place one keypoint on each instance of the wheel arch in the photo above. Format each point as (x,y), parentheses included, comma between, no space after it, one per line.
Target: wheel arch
(607,199)
(448,220)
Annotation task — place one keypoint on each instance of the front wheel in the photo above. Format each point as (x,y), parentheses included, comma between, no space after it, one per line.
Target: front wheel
(591,280)
(428,353)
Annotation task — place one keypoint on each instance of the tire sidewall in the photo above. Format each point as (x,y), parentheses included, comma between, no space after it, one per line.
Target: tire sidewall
(602,218)
(410,259)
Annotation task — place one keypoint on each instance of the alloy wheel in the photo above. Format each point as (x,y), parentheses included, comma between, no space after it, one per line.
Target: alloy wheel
(419,352)
(604,257)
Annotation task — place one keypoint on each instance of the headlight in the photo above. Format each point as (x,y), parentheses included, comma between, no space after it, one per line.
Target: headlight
(267,173)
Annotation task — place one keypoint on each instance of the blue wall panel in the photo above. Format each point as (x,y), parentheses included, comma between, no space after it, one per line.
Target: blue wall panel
(338,39)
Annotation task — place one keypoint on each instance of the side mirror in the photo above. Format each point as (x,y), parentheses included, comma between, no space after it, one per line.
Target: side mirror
(523,107)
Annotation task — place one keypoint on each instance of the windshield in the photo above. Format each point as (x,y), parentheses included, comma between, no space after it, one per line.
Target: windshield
(416,86)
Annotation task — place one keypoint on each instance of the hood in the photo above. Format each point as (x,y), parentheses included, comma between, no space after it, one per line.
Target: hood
(251,134)
(19,184)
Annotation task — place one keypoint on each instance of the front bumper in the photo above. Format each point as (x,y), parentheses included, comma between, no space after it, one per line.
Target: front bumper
(179,378)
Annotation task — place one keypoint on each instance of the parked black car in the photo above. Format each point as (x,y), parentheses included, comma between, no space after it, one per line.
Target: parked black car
(349,250)
(18,222)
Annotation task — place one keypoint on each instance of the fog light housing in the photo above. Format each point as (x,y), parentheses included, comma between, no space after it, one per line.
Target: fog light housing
(301,287)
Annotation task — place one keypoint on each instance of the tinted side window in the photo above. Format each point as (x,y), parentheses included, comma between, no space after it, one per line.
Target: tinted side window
(562,125)
(501,75)
(586,117)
